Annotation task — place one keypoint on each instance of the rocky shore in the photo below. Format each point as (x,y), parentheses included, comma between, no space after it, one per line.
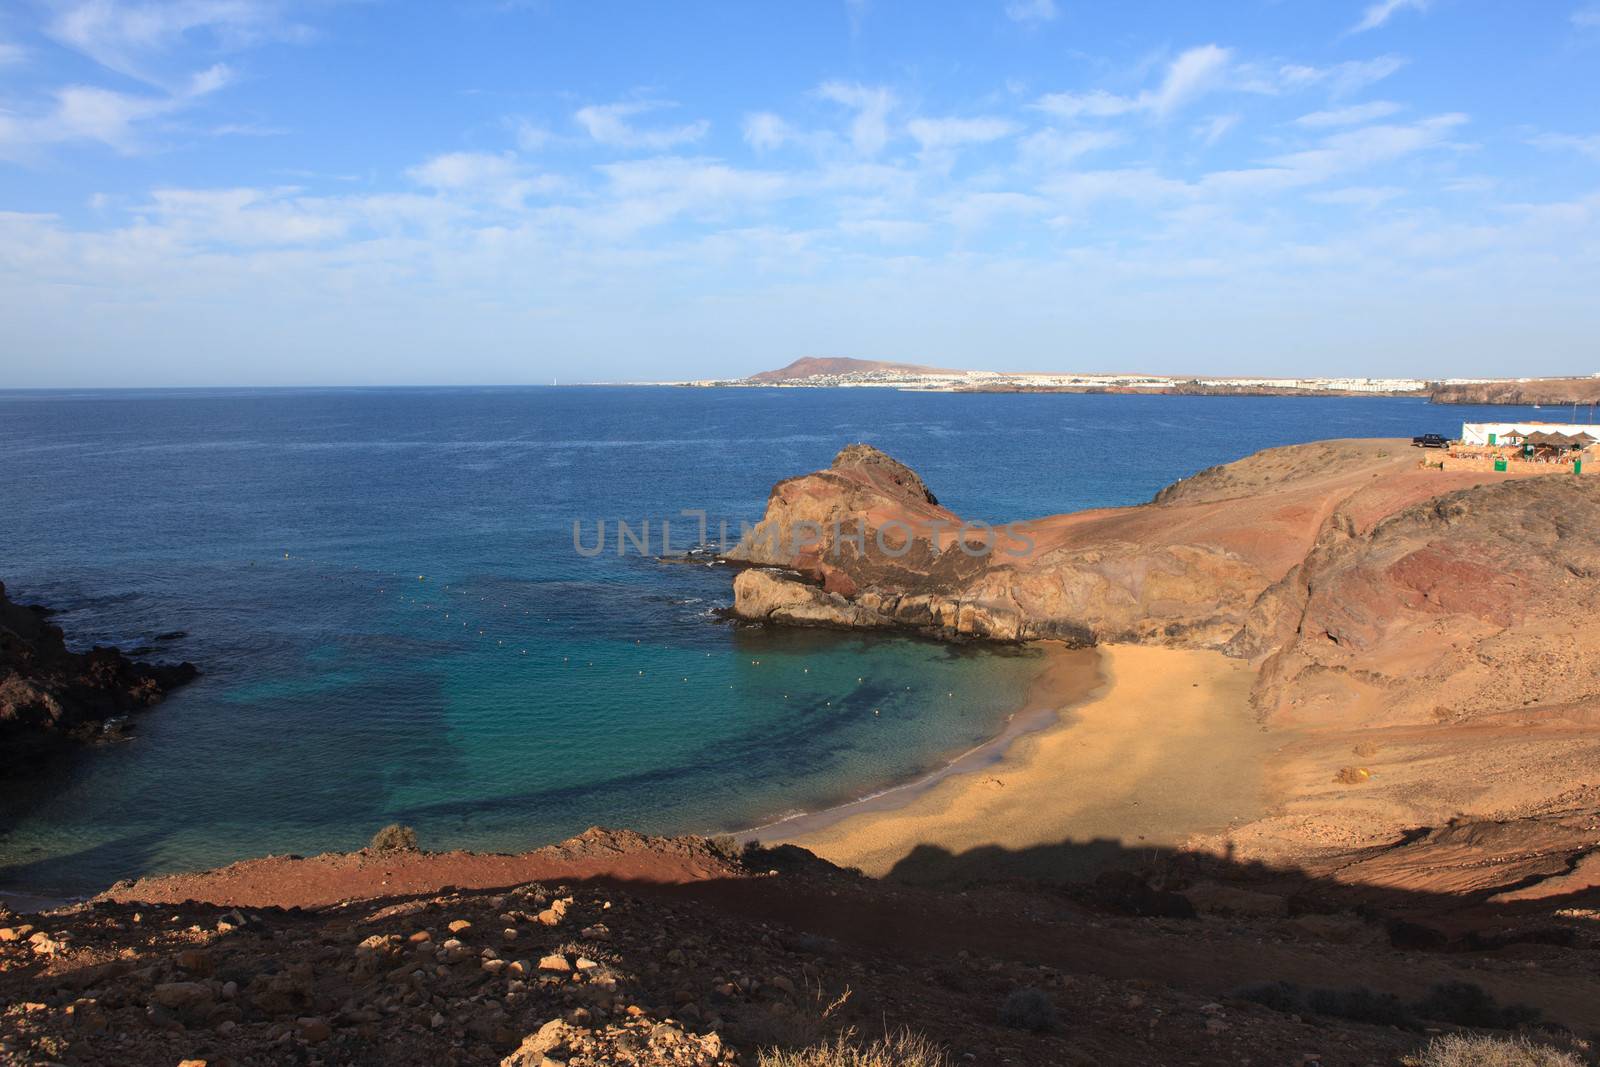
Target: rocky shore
(50,695)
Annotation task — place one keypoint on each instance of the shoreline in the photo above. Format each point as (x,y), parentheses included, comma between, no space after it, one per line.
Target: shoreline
(1165,749)
(1068,677)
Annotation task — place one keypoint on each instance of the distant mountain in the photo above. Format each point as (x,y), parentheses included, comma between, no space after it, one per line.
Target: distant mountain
(814,366)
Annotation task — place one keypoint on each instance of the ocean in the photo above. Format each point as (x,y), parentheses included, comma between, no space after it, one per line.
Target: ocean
(395,623)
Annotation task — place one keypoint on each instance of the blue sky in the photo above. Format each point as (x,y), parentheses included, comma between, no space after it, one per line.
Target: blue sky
(501,191)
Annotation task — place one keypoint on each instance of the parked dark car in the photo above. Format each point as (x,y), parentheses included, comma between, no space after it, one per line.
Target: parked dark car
(1430,440)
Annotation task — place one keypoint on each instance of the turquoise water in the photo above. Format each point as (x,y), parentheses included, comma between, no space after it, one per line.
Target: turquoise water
(517,691)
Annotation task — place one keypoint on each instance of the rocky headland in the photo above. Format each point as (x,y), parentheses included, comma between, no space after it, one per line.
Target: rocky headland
(1420,643)
(1525,391)
(50,695)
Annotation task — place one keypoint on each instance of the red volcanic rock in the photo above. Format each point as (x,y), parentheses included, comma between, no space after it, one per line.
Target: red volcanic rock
(1358,579)
(49,694)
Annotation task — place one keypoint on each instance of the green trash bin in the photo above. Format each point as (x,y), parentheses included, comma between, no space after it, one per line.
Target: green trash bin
(1499,464)
(1577,466)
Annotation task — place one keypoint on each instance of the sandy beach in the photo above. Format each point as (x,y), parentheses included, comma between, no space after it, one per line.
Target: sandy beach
(1165,748)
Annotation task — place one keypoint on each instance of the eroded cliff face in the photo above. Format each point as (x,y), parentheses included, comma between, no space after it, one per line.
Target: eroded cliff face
(1364,585)
(1533,391)
(1479,602)
(49,694)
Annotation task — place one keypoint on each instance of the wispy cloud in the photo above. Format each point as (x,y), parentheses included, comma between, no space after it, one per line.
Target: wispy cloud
(1379,13)
(1587,18)
(765,131)
(946,133)
(1589,146)
(1194,73)
(90,113)
(1215,129)
(869,130)
(1354,115)
(1031,12)
(11,54)
(1339,80)
(609,124)
(133,37)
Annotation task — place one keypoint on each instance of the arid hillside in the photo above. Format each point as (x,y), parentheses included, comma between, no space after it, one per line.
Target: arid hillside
(613,950)
(1424,642)
(1553,391)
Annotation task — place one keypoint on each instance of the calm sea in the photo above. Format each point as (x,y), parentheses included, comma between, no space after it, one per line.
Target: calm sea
(382,591)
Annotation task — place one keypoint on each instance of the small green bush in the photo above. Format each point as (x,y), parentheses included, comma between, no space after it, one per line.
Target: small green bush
(394,838)
(1473,1050)
(1028,1008)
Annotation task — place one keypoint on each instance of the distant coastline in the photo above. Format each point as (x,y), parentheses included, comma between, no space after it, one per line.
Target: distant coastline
(846,373)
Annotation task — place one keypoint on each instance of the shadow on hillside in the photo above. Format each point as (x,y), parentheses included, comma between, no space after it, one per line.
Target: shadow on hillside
(1207,924)
(1171,883)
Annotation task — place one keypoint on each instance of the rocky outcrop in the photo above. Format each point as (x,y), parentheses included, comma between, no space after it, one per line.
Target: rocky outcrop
(49,694)
(864,544)
(1356,578)
(1474,603)
(1555,391)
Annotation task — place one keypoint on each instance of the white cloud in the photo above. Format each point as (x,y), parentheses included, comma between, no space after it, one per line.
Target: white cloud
(608,125)
(1589,146)
(89,113)
(1354,115)
(1193,74)
(130,37)
(1587,18)
(1367,146)
(1031,12)
(246,216)
(869,130)
(888,231)
(1341,79)
(11,54)
(1363,196)
(1381,12)
(1096,103)
(973,211)
(462,170)
(937,134)
(1215,129)
(765,131)
(1052,149)
(530,136)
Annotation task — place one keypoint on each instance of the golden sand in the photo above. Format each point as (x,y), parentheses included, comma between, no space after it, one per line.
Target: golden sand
(1165,748)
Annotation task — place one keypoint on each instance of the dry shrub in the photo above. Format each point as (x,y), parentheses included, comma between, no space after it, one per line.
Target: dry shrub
(900,1049)
(394,838)
(1352,775)
(1473,1050)
(1366,749)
